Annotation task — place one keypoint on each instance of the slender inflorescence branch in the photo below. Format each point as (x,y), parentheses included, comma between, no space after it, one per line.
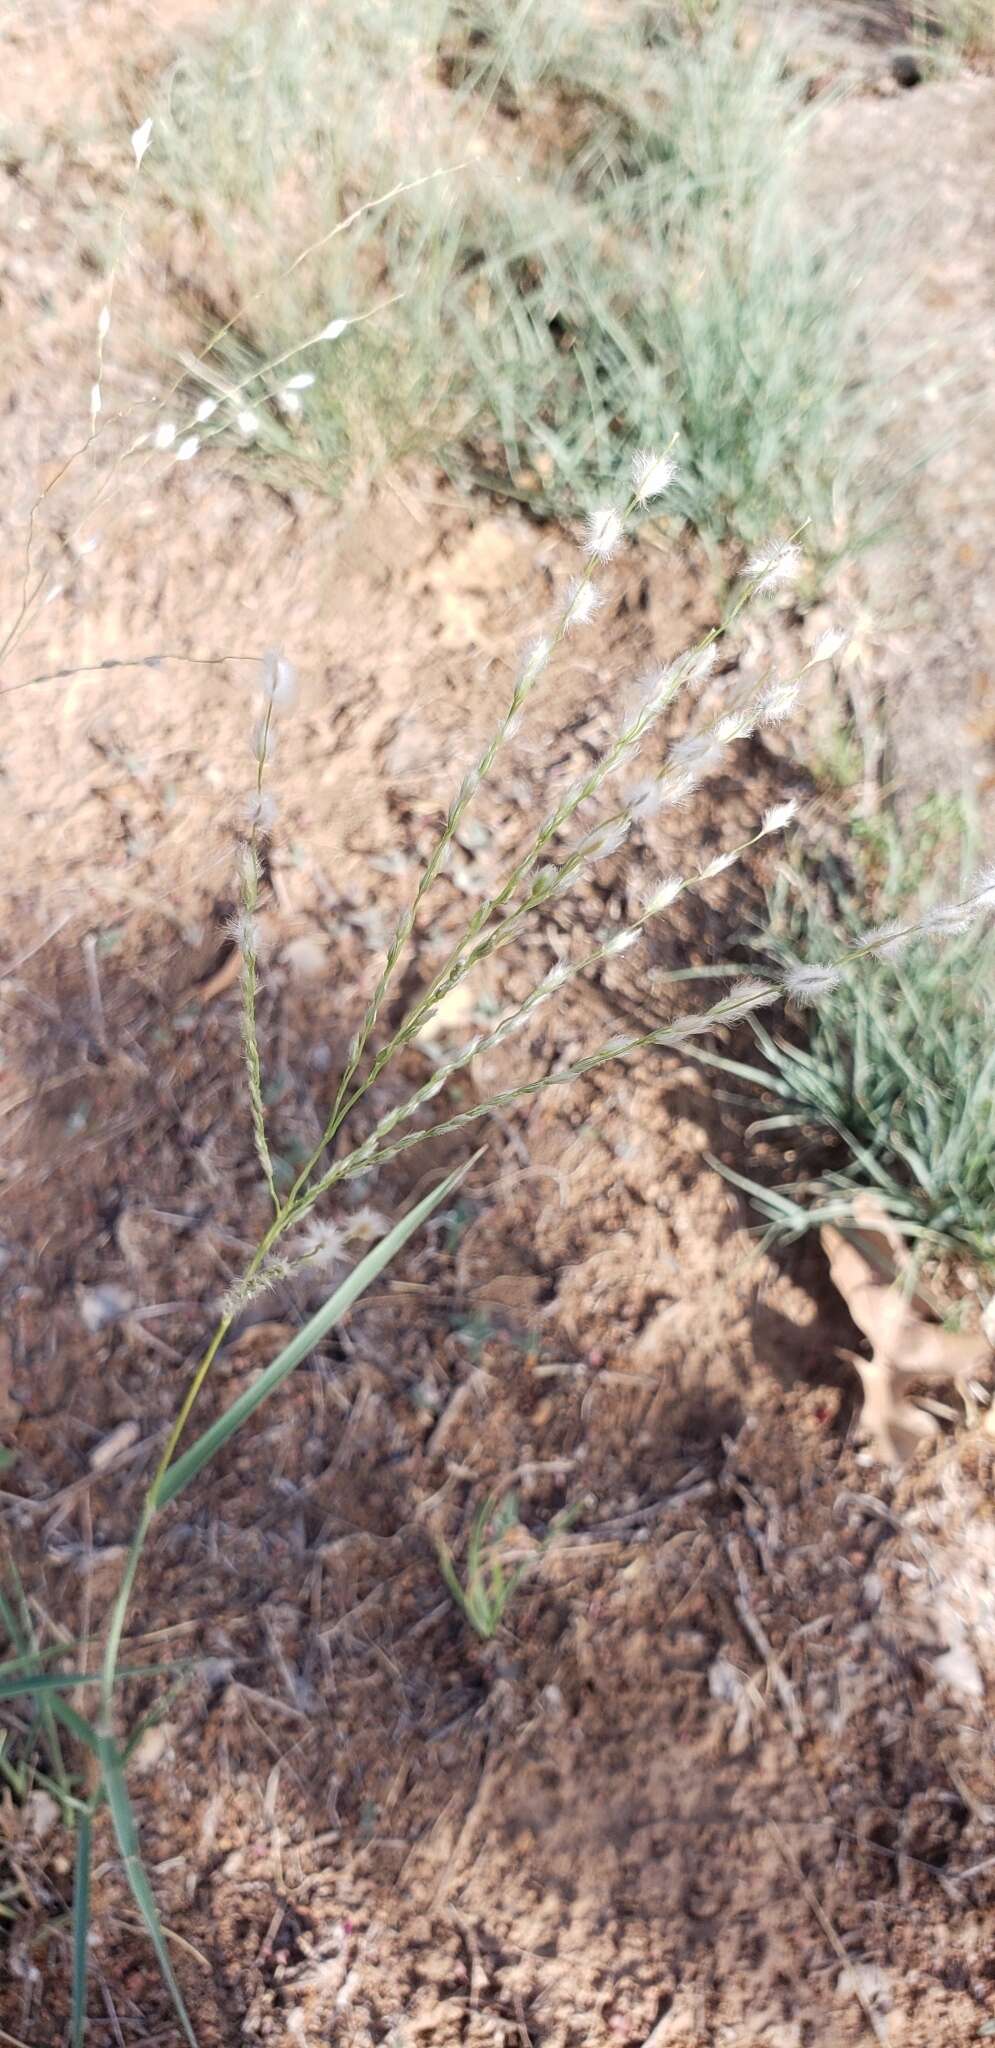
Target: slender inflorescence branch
(542,873)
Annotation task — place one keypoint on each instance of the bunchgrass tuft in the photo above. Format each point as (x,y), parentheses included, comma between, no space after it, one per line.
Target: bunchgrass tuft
(889,1088)
(623,255)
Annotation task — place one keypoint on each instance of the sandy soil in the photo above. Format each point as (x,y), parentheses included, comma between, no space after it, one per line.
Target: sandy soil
(726,1775)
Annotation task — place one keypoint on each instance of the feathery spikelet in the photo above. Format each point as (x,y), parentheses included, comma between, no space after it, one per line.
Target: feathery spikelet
(603,533)
(776,563)
(651,475)
(945,919)
(779,816)
(277,680)
(808,985)
(584,599)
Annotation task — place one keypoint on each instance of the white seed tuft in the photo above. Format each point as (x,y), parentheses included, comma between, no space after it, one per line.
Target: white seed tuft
(887,941)
(645,798)
(534,659)
(333,330)
(620,943)
(584,599)
(322,1243)
(603,533)
(302,382)
(247,423)
(205,411)
(140,139)
(665,893)
(652,475)
(745,996)
(96,400)
(259,811)
(165,435)
(698,750)
(103,323)
(983,889)
(778,702)
(776,563)
(277,679)
(807,985)
(704,662)
(603,841)
(188,448)
(718,866)
(245,932)
(830,644)
(947,918)
(780,815)
(618,1044)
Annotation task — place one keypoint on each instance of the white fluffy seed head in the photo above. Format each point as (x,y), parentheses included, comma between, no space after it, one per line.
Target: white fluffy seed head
(247,869)
(205,410)
(333,329)
(780,815)
(602,533)
(584,599)
(620,943)
(288,401)
(983,889)
(245,933)
(558,975)
(663,895)
(165,434)
(188,448)
(807,985)
(645,798)
(745,996)
(703,663)
(604,840)
(247,423)
(830,644)
(96,400)
(302,382)
(776,563)
(277,679)
(322,1243)
(887,941)
(777,702)
(698,750)
(103,323)
(651,475)
(259,811)
(944,919)
(718,866)
(534,658)
(140,139)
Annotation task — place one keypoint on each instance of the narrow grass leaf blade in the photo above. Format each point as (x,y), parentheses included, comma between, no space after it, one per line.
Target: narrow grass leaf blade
(32,1682)
(127,1840)
(369,1269)
(81,1927)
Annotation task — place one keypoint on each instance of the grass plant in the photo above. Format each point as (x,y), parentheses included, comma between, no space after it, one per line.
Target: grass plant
(891,1089)
(83,1756)
(623,256)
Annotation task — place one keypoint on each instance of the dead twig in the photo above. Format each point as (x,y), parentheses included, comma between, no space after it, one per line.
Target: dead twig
(758,1636)
(816,1907)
